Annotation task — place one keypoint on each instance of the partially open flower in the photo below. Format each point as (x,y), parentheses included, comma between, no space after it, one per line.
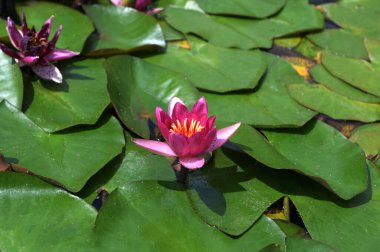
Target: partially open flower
(189,134)
(140,5)
(35,50)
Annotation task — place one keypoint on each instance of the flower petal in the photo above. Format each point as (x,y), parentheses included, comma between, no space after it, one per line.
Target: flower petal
(154,11)
(56,36)
(59,54)
(180,112)
(172,103)
(141,5)
(200,107)
(163,122)
(10,52)
(24,26)
(223,135)
(155,147)
(192,163)
(30,60)
(14,34)
(44,32)
(179,144)
(117,2)
(48,72)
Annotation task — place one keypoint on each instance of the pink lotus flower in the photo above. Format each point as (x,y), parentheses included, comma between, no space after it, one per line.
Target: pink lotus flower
(35,51)
(189,134)
(140,5)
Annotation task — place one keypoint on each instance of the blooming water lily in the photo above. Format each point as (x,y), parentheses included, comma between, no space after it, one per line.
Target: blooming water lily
(140,5)
(189,134)
(35,50)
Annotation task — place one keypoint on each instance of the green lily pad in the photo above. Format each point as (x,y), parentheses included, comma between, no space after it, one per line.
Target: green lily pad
(122,28)
(308,49)
(267,106)
(323,100)
(226,193)
(11,83)
(327,157)
(246,33)
(361,17)
(213,68)
(256,9)
(373,48)
(321,75)
(332,40)
(289,42)
(137,87)
(76,26)
(3,30)
(368,137)
(37,216)
(67,158)
(358,73)
(170,33)
(299,244)
(55,107)
(343,225)
(148,216)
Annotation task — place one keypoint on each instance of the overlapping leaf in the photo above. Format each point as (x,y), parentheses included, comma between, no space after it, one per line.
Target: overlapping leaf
(69,158)
(368,137)
(11,84)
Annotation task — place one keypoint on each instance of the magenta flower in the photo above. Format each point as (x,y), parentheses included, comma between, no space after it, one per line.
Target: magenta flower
(140,5)
(189,134)
(35,51)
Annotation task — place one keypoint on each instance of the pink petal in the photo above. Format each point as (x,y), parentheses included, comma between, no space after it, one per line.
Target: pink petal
(180,112)
(172,103)
(141,5)
(14,34)
(59,54)
(192,163)
(25,28)
(163,122)
(178,144)
(154,11)
(117,2)
(44,32)
(56,36)
(155,147)
(223,135)
(10,52)
(200,107)
(30,60)
(210,122)
(48,72)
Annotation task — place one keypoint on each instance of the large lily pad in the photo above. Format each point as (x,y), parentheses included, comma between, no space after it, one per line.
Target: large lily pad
(148,216)
(256,9)
(358,73)
(3,31)
(332,40)
(37,216)
(122,28)
(213,68)
(323,100)
(226,193)
(327,156)
(268,106)
(136,87)
(76,26)
(321,75)
(11,84)
(368,137)
(55,107)
(246,33)
(69,158)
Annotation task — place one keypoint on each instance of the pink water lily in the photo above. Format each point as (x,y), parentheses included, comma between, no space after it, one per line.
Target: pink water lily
(34,49)
(189,135)
(140,5)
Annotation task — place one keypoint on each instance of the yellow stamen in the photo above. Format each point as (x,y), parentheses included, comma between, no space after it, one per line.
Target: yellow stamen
(186,129)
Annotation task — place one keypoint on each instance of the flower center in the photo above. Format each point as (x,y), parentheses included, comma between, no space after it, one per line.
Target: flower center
(34,46)
(186,128)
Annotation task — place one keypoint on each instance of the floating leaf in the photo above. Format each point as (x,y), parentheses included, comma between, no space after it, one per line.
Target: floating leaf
(55,107)
(39,217)
(268,106)
(227,194)
(11,84)
(150,216)
(368,137)
(73,35)
(321,75)
(122,28)
(256,9)
(332,40)
(137,87)
(358,73)
(299,244)
(213,68)
(59,157)
(323,100)
(308,49)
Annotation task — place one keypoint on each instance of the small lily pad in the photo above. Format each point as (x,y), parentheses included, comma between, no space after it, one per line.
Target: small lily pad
(368,137)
